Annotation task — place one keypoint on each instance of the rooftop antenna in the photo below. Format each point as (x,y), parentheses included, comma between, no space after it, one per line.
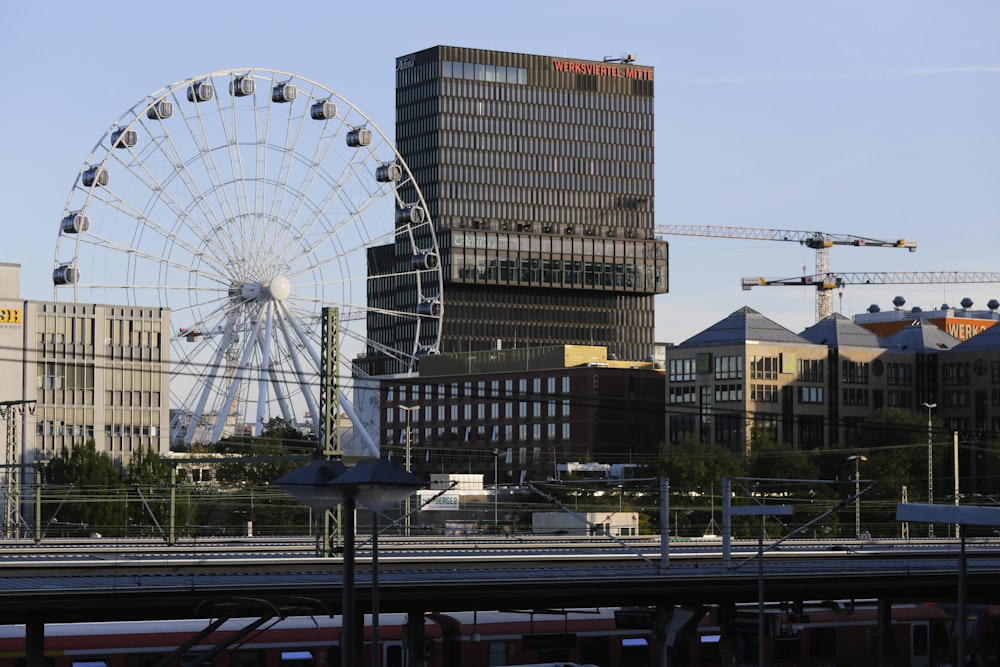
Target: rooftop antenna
(623,58)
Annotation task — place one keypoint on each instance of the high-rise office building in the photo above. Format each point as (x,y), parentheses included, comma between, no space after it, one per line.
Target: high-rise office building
(537,173)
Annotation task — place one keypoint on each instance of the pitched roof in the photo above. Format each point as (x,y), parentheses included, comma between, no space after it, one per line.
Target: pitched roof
(984,340)
(836,331)
(743,325)
(923,336)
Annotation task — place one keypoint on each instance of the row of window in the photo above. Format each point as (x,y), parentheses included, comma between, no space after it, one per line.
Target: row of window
(577,247)
(578,220)
(481,72)
(606,103)
(577,117)
(496,433)
(482,411)
(464,391)
(527,168)
(557,273)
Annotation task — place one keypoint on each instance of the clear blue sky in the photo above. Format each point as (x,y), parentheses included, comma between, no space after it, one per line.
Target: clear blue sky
(869,117)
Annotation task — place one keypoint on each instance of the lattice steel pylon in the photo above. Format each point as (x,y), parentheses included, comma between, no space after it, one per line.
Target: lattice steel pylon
(11,411)
(329,414)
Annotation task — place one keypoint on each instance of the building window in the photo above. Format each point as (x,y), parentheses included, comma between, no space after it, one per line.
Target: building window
(810,394)
(765,426)
(810,370)
(728,392)
(900,375)
(855,396)
(683,394)
(855,372)
(764,368)
(728,429)
(956,398)
(898,398)
(955,374)
(810,431)
(764,393)
(682,370)
(729,367)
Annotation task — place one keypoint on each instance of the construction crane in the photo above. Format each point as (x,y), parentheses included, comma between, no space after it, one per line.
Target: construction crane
(825,282)
(819,241)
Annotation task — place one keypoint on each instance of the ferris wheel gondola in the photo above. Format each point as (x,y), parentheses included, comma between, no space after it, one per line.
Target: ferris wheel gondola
(246,201)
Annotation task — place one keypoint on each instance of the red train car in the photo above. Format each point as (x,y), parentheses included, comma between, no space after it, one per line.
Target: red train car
(817,637)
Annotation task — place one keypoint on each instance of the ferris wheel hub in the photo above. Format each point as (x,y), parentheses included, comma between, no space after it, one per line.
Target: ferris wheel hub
(278,288)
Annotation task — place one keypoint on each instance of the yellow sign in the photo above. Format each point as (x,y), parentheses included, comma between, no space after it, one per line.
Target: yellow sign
(11,316)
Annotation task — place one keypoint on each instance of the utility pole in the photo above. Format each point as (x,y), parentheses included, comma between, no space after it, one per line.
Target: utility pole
(11,411)
(930,464)
(408,409)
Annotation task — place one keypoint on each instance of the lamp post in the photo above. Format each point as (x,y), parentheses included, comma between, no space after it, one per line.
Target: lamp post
(930,464)
(407,409)
(376,484)
(857,458)
(763,511)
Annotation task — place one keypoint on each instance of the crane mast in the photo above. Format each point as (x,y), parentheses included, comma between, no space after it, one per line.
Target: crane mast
(821,242)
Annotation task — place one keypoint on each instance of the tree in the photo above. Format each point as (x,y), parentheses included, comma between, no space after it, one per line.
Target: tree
(895,442)
(695,467)
(150,479)
(89,491)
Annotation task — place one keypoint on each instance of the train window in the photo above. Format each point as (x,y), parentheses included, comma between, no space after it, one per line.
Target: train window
(394,656)
(595,650)
(940,642)
(992,635)
(635,652)
(248,658)
(89,662)
(787,648)
(142,659)
(297,659)
(919,640)
(497,653)
(823,643)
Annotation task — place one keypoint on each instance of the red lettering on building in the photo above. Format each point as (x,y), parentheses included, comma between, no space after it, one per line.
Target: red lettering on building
(594,69)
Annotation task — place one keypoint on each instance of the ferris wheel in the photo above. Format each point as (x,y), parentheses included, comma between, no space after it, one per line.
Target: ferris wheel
(246,201)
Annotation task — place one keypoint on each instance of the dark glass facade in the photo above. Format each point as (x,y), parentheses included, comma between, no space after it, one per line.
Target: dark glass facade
(537,173)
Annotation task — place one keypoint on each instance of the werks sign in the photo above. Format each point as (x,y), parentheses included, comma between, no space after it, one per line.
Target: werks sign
(595,69)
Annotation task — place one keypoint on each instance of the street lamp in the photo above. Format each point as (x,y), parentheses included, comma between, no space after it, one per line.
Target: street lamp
(930,464)
(763,511)
(376,484)
(857,458)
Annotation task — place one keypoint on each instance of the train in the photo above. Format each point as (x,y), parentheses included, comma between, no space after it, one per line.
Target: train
(830,635)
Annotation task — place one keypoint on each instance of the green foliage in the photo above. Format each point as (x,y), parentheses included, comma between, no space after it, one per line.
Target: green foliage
(89,492)
(774,460)
(694,467)
(267,456)
(149,485)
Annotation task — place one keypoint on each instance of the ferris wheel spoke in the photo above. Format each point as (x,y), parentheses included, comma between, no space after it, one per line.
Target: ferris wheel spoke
(295,344)
(208,382)
(239,373)
(268,370)
(246,210)
(149,223)
(144,175)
